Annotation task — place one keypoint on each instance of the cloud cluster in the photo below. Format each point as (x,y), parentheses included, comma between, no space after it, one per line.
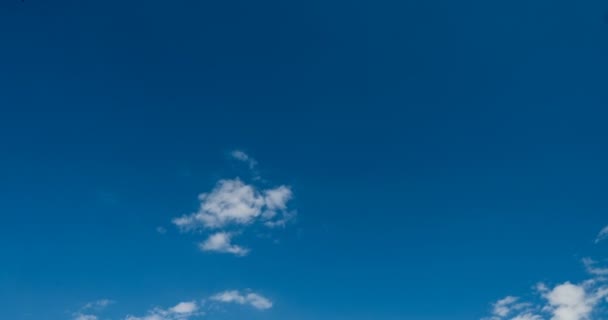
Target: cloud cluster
(253,299)
(191,309)
(181,311)
(565,301)
(233,204)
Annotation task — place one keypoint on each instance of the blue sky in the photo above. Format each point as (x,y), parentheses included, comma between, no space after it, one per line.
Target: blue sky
(303,160)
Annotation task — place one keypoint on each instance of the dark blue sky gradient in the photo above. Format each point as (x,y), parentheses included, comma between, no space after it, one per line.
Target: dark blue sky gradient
(442,153)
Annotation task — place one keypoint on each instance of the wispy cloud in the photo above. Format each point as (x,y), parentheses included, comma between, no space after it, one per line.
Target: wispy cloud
(590,266)
(187,310)
(99,304)
(244,157)
(181,311)
(253,299)
(508,306)
(603,234)
(90,310)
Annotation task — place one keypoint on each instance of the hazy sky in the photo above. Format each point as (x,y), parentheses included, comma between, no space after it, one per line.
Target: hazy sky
(303,160)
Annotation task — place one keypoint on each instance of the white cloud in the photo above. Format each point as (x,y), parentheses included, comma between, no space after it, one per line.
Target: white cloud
(185,307)
(230,202)
(185,310)
(276,199)
(89,310)
(603,234)
(253,299)
(99,304)
(527,316)
(592,269)
(503,306)
(281,221)
(510,305)
(221,242)
(242,156)
(232,206)
(568,301)
(181,311)
(233,203)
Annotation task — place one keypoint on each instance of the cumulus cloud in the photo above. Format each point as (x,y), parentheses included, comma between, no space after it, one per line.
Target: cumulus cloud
(233,202)
(221,242)
(276,199)
(181,311)
(569,301)
(603,234)
(233,205)
(253,299)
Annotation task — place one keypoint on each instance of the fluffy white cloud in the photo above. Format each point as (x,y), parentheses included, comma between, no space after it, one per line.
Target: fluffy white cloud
(221,242)
(276,199)
(233,202)
(603,234)
(569,301)
(253,299)
(181,311)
